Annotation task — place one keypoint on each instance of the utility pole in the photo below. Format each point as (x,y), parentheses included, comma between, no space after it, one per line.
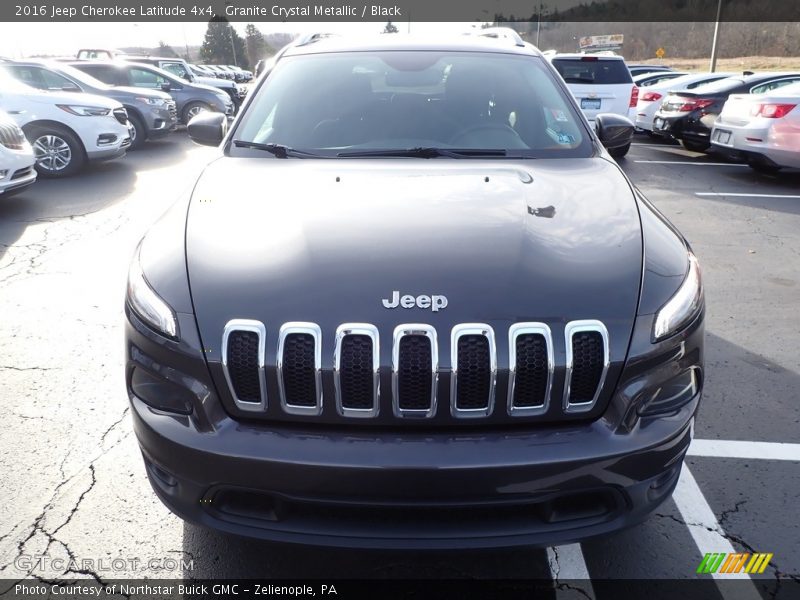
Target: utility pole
(233,46)
(713,66)
(538,23)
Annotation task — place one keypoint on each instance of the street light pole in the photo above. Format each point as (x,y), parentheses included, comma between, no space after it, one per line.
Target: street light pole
(713,66)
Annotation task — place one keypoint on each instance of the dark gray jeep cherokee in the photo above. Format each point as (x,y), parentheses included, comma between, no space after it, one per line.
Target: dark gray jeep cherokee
(413,303)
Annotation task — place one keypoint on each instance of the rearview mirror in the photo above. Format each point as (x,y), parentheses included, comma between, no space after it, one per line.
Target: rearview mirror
(208,128)
(613,130)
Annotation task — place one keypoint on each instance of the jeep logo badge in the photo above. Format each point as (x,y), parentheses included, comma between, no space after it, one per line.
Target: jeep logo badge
(435,303)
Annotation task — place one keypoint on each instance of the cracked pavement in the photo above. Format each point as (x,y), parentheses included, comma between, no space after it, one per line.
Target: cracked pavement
(75,487)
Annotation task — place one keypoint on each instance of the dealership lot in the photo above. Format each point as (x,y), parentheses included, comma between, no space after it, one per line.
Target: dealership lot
(75,483)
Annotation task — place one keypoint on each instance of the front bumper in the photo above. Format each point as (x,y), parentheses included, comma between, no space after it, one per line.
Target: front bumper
(105,138)
(412,490)
(19,169)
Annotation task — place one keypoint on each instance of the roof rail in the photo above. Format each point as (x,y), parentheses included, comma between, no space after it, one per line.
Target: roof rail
(505,33)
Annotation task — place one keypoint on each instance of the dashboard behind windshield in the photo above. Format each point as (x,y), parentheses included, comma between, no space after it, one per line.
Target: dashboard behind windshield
(337,103)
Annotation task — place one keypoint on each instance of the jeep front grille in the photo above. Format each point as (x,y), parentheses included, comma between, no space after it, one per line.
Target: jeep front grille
(299,368)
(587,364)
(356,370)
(243,350)
(474,367)
(415,369)
(415,366)
(531,365)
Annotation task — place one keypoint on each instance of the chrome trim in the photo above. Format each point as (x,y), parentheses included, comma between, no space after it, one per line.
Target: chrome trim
(312,329)
(516,330)
(371,331)
(258,328)
(400,332)
(570,330)
(457,332)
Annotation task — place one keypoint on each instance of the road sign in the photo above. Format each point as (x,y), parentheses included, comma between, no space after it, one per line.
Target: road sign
(660,53)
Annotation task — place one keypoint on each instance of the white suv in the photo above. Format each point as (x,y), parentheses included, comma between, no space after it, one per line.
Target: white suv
(600,83)
(66,129)
(16,157)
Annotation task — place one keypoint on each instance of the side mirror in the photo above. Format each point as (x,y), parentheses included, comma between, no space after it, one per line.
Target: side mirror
(208,128)
(613,130)
(166,86)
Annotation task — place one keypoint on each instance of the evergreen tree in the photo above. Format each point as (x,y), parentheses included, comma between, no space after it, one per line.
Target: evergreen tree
(222,45)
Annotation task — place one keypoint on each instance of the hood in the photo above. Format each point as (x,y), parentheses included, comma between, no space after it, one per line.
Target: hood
(208,88)
(78,98)
(328,241)
(142,93)
(213,82)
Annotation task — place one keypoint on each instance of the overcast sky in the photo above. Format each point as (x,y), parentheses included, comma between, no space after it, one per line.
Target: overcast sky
(18,40)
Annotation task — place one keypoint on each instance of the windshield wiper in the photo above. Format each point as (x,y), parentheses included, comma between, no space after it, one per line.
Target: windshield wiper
(427,152)
(279,150)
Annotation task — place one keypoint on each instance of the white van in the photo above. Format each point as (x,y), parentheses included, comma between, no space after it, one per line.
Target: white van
(601,83)
(66,129)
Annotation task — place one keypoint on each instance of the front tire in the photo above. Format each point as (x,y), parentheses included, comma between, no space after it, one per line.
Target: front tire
(139,133)
(193,109)
(695,146)
(764,169)
(59,153)
(619,152)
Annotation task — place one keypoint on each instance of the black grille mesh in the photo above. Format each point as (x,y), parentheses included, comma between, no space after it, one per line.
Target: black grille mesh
(299,377)
(414,372)
(356,372)
(474,372)
(587,365)
(121,115)
(243,365)
(530,379)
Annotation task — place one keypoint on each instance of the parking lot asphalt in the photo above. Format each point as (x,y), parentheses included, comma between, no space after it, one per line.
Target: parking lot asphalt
(75,486)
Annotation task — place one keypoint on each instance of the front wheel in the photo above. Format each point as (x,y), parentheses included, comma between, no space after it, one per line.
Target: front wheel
(765,169)
(139,133)
(193,109)
(58,152)
(695,146)
(619,152)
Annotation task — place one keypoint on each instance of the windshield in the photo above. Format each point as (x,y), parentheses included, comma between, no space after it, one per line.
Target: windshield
(338,103)
(10,84)
(593,70)
(81,77)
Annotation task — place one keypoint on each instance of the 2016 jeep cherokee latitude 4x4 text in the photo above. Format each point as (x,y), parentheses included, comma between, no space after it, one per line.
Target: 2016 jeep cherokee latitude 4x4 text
(413,303)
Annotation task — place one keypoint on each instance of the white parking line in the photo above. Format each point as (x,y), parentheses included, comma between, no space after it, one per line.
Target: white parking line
(739,449)
(566,564)
(741,195)
(706,530)
(688,162)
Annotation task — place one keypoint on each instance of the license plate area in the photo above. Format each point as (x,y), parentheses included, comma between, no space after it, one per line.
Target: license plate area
(722,136)
(590,103)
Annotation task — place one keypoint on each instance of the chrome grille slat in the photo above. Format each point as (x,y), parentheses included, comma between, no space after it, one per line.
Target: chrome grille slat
(297,377)
(516,408)
(472,377)
(232,328)
(421,382)
(368,374)
(571,331)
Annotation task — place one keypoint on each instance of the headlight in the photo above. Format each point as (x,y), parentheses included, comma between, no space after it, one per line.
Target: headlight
(85,111)
(146,303)
(683,306)
(154,101)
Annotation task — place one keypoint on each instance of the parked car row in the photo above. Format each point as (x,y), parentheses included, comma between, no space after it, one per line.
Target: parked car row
(70,112)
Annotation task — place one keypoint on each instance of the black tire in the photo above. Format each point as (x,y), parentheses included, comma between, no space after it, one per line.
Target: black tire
(695,146)
(139,133)
(764,169)
(59,153)
(619,152)
(192,109)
